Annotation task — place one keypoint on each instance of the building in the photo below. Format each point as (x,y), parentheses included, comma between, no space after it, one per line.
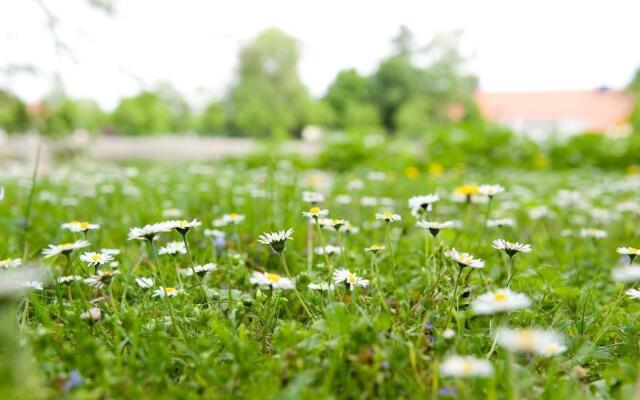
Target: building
(559,113)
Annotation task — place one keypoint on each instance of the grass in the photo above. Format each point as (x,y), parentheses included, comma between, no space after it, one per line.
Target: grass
(236,340)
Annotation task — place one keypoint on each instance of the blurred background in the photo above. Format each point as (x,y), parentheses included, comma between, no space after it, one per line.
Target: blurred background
(536,84)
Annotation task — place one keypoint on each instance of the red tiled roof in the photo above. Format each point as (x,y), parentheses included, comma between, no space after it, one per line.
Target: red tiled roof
(600,110)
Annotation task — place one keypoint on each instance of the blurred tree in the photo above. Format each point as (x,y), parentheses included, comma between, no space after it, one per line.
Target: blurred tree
(393,84)
(182,119)
(213,119)
(350,98)
(418,87)
(63,116)
(269,97)
(13,113)
(634,89)
(143,113)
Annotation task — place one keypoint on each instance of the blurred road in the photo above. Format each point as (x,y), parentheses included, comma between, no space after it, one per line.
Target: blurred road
(161,148)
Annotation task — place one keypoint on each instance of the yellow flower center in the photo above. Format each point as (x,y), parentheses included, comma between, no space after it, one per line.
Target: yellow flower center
(375,247)
(170,290)
(96,257)
(411,172)
(275,278)
(466,259)
(233,216)
(387,214)
(66,246)
(84,225)
(500,297)
(351,278)
(467,190)
(314,210)
(467,367)
(526,339)
(183,223)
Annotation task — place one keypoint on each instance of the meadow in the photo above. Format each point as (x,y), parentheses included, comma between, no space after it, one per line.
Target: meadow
(358,293)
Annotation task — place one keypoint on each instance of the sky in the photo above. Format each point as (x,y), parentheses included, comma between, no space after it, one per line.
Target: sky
(512,45)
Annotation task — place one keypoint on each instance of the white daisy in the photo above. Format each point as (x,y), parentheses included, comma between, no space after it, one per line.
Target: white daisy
(64,280)
(166,292)
(93,314)
(272,280)
(423,203)
(511,248)
(65,248)
(314,213)
(335,224)
(173,248)
(312,197)
(374,248)
(500,222)
(633,293)
(215,233)
(321,286)
(183,226)
(172,213)
(328,249)
(80,226)
(349,229)
(631,252)
(541,342)
(347,277)
(465,367)
(96,259)
(148,232)
(101,279)
(539,212)
(626,274)
(113,252)
(490,190)
(388,216)
(276,240)
(502,300)
(10,263)
(464,259)
(233,218)
(593,233)
(200,270)
(33,285)
(144,283)
(434,227)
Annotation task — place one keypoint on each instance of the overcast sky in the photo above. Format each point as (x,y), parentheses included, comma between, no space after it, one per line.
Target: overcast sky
(192,44)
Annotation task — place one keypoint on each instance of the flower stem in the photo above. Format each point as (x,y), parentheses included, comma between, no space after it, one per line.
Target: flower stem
(165,301)
(511,272)
(393,259)
(455,293)
(324,248)
(286,268)
(193,270)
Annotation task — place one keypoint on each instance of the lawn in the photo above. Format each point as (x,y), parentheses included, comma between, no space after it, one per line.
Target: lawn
(230,317)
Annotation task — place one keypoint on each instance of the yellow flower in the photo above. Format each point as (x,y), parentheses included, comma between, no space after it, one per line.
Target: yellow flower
(436,169)
(411,172)
(467,190)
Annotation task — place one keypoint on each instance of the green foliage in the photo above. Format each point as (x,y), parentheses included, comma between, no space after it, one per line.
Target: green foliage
(13,113)
(65,116)
(386,340)
(350,98)
(213,120)
(395,82)
(144,113)
(269,98)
